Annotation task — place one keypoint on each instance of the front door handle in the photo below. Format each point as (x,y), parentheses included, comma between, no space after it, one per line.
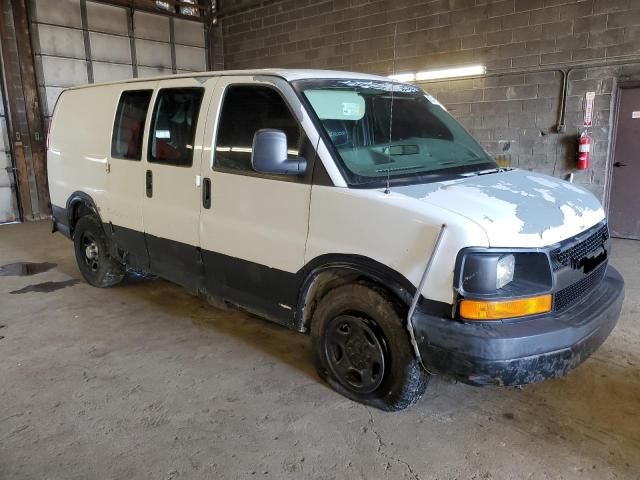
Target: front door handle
(149,184)
(206,193)
(619,164)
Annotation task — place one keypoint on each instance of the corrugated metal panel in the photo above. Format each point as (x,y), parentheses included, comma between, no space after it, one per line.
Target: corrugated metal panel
(151,26)
(105,18)
(153,54)
(191,58)
(189,33)
(108,72)
(60,12)
(153,71)
(110,48)
(61,41)
(63,72)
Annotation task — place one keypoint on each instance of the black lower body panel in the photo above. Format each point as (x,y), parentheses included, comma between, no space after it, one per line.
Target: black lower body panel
(265,291)
(268,292)
(60,220)
(522,351)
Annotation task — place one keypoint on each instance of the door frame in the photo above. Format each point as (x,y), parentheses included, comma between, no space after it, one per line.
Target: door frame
(614,121)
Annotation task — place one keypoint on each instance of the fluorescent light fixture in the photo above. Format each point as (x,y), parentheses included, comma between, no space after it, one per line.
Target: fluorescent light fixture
(403,77)
(468,71)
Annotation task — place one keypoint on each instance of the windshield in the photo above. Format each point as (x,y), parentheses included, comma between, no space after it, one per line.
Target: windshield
(411,139)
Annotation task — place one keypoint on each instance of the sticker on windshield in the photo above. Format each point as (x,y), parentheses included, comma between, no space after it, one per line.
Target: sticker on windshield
(383,86)
(351,110)
(434,101)
(337,104)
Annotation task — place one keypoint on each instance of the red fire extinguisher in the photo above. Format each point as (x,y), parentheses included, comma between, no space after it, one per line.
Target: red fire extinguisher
(584,151)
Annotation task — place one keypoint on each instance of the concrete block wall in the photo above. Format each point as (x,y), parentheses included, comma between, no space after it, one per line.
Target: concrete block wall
(514,110)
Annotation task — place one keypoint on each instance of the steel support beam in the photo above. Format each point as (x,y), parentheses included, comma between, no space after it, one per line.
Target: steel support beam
(87,41)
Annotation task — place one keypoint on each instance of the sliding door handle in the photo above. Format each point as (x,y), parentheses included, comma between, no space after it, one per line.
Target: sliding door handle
(206,193)
(149,184)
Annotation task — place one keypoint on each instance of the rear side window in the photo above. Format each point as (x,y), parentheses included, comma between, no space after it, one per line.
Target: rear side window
(173,127)
(128,128)
(247,109)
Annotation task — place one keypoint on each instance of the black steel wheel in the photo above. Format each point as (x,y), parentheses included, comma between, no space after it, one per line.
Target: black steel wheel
(94,260)
(362,348)
(91,251)
(355,352)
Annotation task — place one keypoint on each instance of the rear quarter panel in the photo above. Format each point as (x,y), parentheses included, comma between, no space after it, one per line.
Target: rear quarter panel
(79,143)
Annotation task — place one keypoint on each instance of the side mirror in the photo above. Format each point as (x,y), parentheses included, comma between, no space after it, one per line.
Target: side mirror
(269,154)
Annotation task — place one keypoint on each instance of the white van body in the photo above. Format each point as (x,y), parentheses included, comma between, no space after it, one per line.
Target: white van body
(263,239)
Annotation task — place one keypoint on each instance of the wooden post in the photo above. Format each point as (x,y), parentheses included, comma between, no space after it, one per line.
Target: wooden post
(16,120)
(32,104)
(23,181)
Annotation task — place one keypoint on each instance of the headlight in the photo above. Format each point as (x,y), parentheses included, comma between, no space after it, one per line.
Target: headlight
(485,273)
(505,269)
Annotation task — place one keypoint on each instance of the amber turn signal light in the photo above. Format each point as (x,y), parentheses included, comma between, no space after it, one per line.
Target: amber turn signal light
(499,309)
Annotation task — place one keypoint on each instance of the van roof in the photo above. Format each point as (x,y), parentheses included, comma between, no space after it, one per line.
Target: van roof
(287,74)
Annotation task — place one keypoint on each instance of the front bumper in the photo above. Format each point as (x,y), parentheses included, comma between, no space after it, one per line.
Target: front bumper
(525,350)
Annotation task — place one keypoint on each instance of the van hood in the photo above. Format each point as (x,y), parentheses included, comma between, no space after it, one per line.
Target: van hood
(516,208)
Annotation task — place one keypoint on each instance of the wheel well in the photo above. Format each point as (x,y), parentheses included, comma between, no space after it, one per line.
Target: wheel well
(79,209)
(321,283)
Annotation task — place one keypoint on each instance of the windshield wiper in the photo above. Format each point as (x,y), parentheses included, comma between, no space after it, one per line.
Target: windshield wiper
(388,170)
(488,171)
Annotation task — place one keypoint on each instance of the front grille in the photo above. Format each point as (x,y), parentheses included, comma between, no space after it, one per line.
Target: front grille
(572,255)
(569,295)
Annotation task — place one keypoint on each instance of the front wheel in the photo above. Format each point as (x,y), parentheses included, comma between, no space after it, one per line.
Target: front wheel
(363,351)
(95,262)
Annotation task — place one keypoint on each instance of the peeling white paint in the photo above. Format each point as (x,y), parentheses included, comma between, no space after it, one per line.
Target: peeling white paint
(545,182)
(574,189)
(546,194)
(513,209)
(510,188)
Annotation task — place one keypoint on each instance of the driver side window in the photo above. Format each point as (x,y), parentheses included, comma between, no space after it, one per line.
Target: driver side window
(245,110)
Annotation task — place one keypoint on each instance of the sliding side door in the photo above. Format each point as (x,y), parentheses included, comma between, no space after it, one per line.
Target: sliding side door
(171,186)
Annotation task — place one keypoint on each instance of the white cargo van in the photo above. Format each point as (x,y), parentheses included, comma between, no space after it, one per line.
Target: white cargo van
(340,204)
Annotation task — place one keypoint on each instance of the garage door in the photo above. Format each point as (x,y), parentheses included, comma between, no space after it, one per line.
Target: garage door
(8,202)
(80,41)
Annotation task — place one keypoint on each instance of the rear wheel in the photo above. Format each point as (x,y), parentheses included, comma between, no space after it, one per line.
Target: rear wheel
(92,254)
(363,351)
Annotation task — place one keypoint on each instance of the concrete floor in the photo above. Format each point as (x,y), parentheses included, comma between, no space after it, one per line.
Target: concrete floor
(144,381)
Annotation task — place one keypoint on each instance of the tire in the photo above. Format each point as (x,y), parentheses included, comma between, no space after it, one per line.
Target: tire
(362,348)
(93,255)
